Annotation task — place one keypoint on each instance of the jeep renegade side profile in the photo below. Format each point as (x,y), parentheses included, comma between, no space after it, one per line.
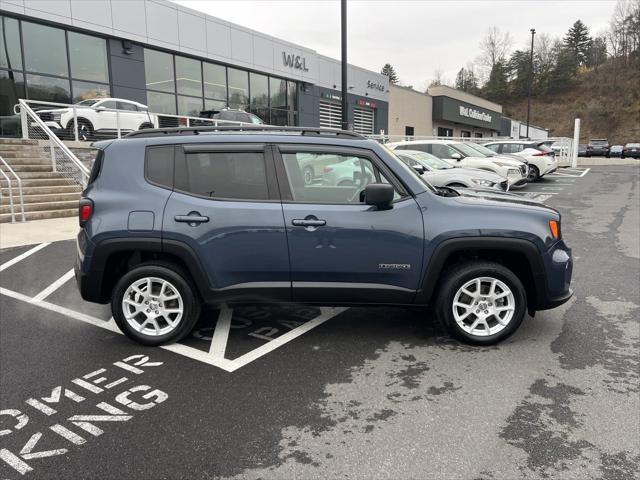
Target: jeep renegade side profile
(174,218)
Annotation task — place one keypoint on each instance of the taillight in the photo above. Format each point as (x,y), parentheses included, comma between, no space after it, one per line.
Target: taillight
(539,154)
(85,211)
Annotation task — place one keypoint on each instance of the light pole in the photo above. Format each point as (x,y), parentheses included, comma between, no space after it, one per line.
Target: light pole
(533,32)
(343,29)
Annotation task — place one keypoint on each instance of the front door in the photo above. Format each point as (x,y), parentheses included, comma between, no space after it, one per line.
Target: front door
(226,207)
(340,249)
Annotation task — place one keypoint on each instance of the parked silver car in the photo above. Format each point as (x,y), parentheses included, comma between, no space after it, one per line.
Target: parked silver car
(441,174)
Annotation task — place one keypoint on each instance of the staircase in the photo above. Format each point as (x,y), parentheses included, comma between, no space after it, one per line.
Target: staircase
(47,194)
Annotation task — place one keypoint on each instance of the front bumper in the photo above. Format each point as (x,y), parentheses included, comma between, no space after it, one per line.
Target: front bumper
(554,285)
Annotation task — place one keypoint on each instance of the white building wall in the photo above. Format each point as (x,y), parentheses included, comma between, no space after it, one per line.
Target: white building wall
(174,27)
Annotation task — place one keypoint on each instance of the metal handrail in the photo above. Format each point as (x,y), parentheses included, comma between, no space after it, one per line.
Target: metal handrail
(11,205)
(53,138)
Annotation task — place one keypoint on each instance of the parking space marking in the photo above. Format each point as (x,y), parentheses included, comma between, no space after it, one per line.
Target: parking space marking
(570,172)
(221,333)
(54,286)
(17,259)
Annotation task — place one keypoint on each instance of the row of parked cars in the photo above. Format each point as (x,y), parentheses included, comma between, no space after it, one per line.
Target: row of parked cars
(499,164)
(600,147)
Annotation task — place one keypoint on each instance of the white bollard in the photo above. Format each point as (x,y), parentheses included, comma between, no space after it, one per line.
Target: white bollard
(576,140)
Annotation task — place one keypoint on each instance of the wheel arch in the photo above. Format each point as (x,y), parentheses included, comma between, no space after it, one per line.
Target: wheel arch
(519,255)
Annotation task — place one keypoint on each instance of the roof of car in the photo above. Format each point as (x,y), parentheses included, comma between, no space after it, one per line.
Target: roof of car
(524,142)
(120,100)
(423,142)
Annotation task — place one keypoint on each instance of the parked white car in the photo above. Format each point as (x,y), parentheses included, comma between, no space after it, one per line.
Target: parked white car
(99,117)
(541,158)
(459,154)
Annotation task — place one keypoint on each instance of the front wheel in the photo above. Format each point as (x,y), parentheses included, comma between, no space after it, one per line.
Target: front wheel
(533,174)
(155,304)
(481,302)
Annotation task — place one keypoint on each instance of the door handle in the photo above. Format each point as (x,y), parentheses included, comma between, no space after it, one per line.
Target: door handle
(192,219)
(300,222)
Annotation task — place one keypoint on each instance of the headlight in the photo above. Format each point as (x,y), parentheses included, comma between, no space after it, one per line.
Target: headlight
(57,117)
(484,183)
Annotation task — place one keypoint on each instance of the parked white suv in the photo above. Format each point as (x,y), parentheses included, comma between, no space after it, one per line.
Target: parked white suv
(459,154)
(540,156)
(99,117)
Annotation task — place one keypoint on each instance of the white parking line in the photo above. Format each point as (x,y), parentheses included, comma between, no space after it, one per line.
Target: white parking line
(54,286)
(20,257)
(215,356)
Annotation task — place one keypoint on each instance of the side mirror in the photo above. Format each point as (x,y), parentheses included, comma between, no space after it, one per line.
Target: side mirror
(100,109)
(419,168)
(456,156)
(379,194)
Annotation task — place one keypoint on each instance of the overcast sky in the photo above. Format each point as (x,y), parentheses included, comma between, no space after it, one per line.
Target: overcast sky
(416,37)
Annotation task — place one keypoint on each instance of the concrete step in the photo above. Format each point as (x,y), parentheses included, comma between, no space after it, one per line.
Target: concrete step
(29,175)
(29,167)
(46,190)
(39,207)
(7,150)
(17,141)
(41,198)
(8,155)
(41,215)
(41,182)
(28,160)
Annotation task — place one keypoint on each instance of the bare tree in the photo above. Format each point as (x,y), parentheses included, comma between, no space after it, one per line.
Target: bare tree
(494,47)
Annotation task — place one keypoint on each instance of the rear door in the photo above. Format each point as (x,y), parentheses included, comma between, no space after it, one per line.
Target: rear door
(226,207)
(342,250)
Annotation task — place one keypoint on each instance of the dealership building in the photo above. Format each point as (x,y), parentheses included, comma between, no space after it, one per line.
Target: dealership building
(443,111)
(176,61)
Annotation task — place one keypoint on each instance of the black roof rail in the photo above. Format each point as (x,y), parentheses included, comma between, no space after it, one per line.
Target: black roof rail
(159,132)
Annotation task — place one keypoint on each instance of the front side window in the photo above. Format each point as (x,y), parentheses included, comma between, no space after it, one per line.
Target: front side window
(329,177)
(442,151)
(88,58)
(45,49)
(495,147)
(224,175)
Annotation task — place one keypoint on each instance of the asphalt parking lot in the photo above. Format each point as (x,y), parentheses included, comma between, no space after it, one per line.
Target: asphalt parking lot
(302,392)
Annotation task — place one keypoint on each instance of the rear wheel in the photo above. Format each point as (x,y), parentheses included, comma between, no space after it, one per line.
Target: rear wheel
(481,302)
(155,304)
(85,130)
(533,174)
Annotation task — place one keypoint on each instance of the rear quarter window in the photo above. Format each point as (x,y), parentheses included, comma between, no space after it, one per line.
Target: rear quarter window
(159,165)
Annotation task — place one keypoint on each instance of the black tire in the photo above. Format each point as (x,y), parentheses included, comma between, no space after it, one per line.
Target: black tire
(308,175)
(456,185)
(456,277)
(85,130)
(533,174)
(178,279)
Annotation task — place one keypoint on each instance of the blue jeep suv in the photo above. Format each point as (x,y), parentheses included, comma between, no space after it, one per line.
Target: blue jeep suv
(174,218)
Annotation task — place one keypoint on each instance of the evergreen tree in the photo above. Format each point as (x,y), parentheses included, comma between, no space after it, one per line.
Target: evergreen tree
(519,67)
(467,81)
(564,71)
(389,71)
(496,88)
(578,42)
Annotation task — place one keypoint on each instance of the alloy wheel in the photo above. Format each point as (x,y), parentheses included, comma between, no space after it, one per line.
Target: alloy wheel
(483,306)
(152,306)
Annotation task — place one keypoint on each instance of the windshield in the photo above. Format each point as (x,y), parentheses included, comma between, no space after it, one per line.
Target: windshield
(408,168)
(466,150)
(482,149)
(427,160)
(89,102)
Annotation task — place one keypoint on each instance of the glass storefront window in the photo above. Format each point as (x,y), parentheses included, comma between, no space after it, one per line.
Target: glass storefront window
(262,113)
(188,76)
(161,102)
(86,91)
(259,89)
(45,49)
(158,68)
(278,89)
(10,54)
(238,88)
(11,88)
(214,104)
(292,96)
(280,118)
(215,81)
(88,57)
(49,89)
(189,106)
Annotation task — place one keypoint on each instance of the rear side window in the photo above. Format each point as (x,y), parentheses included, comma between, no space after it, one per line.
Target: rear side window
(224,175)
(159,165)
